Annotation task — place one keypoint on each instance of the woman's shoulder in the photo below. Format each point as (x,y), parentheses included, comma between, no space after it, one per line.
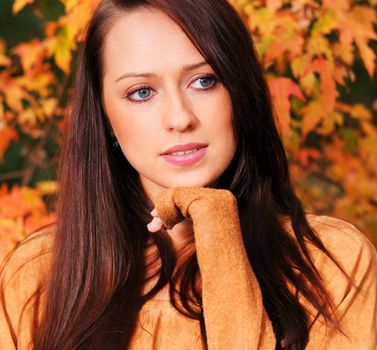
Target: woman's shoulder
(350,248)
(29,259)
(342,239)
(22,281)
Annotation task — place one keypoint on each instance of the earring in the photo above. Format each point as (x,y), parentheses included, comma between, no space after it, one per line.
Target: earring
(115,140)
(115,143)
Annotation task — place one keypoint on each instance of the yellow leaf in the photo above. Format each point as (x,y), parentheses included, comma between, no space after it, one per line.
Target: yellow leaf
(317,45)
(299,65)
(49,106)
(309,83)
(264,20)
(47,187)
(360,112)
(62,52)
(325,23)
(70,4)
(38,80)
(313,113)
(329,123)
(18,5)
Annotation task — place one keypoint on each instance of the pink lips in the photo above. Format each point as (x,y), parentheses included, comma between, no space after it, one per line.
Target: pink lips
(186,159)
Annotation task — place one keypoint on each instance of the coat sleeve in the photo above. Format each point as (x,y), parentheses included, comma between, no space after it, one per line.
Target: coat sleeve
(356,305)
(233,309)
(232,301)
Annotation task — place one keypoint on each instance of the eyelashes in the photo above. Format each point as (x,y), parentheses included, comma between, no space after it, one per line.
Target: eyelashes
(144,93)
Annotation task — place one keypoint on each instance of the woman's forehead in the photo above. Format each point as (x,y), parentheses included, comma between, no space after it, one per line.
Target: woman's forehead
(147,40)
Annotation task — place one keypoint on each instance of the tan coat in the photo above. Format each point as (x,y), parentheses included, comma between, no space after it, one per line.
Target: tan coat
(232,302)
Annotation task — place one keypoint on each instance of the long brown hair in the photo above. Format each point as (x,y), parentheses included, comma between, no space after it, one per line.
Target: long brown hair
(98,268)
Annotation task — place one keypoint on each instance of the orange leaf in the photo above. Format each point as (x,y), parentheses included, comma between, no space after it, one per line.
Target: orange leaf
(30,53)
(274,5)
(21,201)
(367,55)
(337,5)
(305,155)
(325,68)
(7,134)
(14,95)
(281,90)
(4,60)
(357,26)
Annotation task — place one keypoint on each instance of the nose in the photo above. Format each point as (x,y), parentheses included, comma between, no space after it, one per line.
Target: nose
(178,114)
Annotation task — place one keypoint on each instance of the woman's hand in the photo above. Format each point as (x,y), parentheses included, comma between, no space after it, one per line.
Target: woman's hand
(198,203)
(156,224)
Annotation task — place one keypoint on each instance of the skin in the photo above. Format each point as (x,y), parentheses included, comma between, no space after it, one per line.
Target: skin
(177,106)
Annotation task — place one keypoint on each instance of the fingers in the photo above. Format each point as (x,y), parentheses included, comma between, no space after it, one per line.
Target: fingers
(155,225)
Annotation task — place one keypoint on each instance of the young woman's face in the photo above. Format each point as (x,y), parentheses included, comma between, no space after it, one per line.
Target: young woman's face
(158,92)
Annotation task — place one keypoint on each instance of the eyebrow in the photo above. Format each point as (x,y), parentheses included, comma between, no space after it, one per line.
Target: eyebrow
(185,68)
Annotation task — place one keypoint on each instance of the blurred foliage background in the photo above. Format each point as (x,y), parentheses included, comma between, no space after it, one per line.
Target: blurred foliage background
(319,58)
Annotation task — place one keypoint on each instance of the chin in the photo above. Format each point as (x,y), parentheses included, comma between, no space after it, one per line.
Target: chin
(192,182)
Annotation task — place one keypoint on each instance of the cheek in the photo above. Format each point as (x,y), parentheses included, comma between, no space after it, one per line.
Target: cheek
(130,127)
(222,115)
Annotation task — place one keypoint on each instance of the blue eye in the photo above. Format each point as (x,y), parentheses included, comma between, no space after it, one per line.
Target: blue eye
(141,94)
(205,82)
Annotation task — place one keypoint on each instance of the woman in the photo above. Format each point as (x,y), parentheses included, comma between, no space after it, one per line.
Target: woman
(177,225)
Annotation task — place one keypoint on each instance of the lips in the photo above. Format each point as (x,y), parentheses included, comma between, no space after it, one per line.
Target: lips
(184,147)
(176,156)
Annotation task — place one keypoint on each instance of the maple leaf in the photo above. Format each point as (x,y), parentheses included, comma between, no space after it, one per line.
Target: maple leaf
(313,113)
(7,134)
(13,93)
(357,26)
(300,65)
(274,5)
(329,123)
(31,53)
(326,68)
(281,89)
(47,187)
(4,60)
(38,80)
(337,5)
(22,211)
(304,156)
(18,5)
